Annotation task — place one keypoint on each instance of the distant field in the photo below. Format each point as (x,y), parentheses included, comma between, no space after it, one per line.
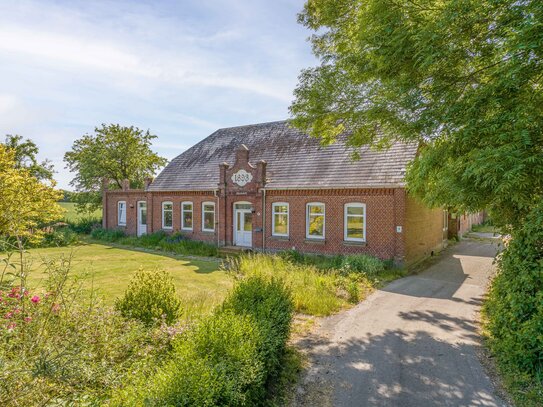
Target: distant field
(72,215)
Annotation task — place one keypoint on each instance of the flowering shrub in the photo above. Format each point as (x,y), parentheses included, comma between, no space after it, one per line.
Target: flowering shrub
(58,344)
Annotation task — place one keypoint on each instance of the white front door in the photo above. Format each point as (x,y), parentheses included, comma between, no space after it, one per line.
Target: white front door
(142,218)
(243,227)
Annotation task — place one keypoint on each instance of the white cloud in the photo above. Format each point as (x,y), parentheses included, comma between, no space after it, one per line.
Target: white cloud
(181,69)
(69,51)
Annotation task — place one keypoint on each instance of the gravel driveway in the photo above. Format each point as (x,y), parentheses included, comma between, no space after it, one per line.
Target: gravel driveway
(412,343)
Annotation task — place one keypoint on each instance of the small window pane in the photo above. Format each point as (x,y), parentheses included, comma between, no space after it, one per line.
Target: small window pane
(143,216)
(209,208)
(355,210)
(187,207)
(281,208)
(315,209)
(209,220)
(187,220)
(121,214)
(316,225)
(248,222)
(167,215)
(280,225)
(355,227)
(243,206)
(168,219)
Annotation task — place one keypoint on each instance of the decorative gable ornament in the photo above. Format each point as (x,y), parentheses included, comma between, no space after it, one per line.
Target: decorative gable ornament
(241,178)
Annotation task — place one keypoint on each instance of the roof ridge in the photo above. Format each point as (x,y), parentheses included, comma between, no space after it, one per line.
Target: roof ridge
(253,125)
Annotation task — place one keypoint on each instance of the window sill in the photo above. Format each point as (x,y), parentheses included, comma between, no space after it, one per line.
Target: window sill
(285,238)
(315,241)
(353,243)
(208,232)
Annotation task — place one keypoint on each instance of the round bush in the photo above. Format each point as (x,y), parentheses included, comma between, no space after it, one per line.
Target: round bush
(150,298)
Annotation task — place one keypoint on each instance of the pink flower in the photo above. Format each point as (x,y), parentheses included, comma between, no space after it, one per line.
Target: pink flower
(9,315)
(28,319)
(35,299)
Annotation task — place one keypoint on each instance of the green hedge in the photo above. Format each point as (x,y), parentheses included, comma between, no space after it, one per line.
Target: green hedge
(271,306)
(229,358)
(174,243)
(514,308)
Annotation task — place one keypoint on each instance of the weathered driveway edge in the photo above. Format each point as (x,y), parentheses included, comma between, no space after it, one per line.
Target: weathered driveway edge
(413,343)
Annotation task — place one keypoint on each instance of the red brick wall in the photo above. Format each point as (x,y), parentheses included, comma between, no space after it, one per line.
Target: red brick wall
(131,198)
(467,220)
(197,198)
(384,211)
(154,211)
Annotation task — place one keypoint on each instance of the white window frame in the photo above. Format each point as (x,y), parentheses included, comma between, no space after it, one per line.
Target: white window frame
(163,210)
(119,221)
(307,235)
(274,205)
(183,227)
(345,221)
(445,220)
(203,216)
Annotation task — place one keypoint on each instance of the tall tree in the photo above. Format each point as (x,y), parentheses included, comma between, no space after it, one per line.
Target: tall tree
(26,202)
(24,156)
(114,153)
(461,77)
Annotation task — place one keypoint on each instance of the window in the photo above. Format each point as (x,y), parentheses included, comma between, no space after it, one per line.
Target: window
(355,222)
(280,219)
(167,215)
(186,215)
(121,213)
(208,216)
(315,220)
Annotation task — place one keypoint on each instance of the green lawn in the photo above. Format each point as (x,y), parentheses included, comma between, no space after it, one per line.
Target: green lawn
(72,215)
(485,229)
(109,269)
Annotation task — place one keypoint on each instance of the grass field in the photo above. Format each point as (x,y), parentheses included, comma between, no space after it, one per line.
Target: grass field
(72,215)
(109,269)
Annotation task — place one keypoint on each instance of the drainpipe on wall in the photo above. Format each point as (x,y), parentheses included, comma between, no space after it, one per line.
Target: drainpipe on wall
(105,184)
(218,217)
(263,219)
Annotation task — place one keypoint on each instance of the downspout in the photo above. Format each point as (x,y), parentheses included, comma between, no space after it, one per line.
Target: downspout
(263,219)
(218,217)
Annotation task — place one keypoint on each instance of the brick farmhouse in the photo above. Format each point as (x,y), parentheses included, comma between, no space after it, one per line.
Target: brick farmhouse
(270,187)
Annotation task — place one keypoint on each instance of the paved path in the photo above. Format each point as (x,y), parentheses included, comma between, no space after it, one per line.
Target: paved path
(412,344)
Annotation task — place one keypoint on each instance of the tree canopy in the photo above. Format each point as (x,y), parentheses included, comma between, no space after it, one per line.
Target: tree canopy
(461,77)
(27,203)
(113,153)
(24,156)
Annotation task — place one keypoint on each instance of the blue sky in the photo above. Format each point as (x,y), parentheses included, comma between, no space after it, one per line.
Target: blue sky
(179,68)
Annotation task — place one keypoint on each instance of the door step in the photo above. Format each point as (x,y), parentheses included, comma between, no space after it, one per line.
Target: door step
(226,251)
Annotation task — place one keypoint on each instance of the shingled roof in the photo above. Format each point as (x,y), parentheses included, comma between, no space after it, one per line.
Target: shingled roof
(294,159)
